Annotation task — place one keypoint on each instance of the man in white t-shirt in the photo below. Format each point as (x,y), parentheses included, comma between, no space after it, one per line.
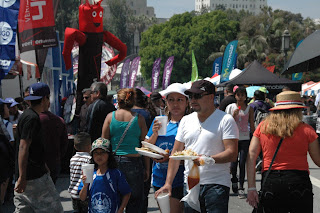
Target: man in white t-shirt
(212,132)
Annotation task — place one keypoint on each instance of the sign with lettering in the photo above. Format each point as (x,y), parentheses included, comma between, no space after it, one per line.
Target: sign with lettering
(9,10)
(36,25)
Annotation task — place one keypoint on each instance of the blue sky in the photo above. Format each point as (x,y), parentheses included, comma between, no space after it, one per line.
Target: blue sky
(167,8)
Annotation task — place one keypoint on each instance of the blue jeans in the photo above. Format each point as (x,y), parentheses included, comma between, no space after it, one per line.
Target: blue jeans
(243,148)
(214,198)
(132,168)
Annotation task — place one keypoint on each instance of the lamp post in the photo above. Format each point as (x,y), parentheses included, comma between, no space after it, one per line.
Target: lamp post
(285,44)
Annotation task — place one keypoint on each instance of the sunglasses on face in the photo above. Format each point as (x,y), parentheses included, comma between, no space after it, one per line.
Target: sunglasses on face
(86,97)
(197,95)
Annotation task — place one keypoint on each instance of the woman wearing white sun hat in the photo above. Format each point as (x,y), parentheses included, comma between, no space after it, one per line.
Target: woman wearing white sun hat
(287,188)
(177,105)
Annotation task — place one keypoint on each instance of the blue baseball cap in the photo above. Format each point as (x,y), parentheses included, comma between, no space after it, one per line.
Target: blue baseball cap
(37,91)
(11,101)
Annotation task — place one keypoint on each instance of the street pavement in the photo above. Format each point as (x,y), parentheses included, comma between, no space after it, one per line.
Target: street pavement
(236,205)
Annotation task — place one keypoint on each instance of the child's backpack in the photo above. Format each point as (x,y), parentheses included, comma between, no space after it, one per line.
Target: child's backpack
(260,113)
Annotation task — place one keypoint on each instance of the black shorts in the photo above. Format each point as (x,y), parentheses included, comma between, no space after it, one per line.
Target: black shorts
(176,192)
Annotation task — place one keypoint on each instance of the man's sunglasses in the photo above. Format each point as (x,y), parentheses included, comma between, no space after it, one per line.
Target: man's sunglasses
(86,97)
(197,95)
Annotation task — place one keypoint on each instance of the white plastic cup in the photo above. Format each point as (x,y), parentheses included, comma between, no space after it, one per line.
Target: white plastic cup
(164,202)
(87,170)
(163,120)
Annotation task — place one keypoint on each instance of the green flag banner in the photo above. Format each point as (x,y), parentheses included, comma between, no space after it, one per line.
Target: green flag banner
(194,74)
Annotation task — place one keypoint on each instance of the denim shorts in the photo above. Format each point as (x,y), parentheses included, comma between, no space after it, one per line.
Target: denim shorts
(132,168)
(214,198)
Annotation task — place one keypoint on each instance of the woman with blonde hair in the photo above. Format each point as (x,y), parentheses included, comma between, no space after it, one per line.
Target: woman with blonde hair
(126,129)
(286,187)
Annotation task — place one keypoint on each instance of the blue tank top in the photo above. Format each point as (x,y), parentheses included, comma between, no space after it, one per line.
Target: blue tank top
(130,141)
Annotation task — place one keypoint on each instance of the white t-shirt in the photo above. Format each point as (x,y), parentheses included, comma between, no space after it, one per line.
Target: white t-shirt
(206,138)
(242,120)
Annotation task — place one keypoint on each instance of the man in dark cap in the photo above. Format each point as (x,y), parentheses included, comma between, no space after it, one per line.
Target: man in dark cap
(211,132)
(34,189)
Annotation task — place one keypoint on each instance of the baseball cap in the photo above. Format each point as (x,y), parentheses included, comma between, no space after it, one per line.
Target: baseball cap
(263,89)
(101,143)
(38,91)
(200,87)
(175,87)
(11,101)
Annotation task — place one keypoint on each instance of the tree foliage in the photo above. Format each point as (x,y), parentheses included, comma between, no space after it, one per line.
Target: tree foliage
(119,22)
(67,17)
(182,34)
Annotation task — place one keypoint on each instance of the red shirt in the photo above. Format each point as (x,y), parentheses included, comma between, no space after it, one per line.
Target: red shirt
(293,151)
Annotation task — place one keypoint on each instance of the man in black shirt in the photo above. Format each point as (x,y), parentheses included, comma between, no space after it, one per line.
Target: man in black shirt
(229,97)
(98,110)
(34,189)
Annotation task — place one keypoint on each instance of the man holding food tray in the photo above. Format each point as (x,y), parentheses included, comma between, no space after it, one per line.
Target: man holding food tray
(207,131)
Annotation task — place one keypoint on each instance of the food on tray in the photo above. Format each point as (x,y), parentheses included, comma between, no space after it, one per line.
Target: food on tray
(148,149)
(187,152)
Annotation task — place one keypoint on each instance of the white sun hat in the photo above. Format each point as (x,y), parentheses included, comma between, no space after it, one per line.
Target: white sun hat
(175,87)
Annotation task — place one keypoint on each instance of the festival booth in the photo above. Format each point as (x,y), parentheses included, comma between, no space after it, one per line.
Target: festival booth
(311,90)
(256,74)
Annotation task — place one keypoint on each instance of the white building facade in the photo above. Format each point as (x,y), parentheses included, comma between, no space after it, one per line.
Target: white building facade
(252,6)
(139,8)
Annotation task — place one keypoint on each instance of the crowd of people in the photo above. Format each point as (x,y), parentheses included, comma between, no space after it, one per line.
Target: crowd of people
(239,133)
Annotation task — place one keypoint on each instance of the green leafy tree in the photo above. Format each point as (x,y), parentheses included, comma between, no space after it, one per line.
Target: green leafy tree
(119,22)
(67,17)
(182,34)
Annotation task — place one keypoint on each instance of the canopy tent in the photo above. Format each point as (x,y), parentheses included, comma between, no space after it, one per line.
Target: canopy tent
(305,88)
(307,85)
(312,90)
(256,74)
(306,57)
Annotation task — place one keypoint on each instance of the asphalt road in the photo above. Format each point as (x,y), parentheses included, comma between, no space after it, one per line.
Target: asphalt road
(236,205)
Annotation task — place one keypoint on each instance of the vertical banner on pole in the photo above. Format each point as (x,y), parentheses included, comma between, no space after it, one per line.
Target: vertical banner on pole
(194,74)
(9,11)
(36,25)
(133,71)
(124,74)
(155,74)
(217,66)
(228,60)
(167,72)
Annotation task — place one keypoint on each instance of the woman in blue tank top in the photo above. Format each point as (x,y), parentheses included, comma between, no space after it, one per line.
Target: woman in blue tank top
(129,161)
(177,105)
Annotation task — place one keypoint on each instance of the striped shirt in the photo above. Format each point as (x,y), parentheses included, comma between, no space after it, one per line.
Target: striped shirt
(76,161)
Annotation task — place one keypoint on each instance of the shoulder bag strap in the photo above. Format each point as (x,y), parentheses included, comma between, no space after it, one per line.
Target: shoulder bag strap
(124,134)
(274,157)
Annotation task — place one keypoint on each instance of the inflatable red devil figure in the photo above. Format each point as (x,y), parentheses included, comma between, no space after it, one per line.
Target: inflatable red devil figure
(90,37)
